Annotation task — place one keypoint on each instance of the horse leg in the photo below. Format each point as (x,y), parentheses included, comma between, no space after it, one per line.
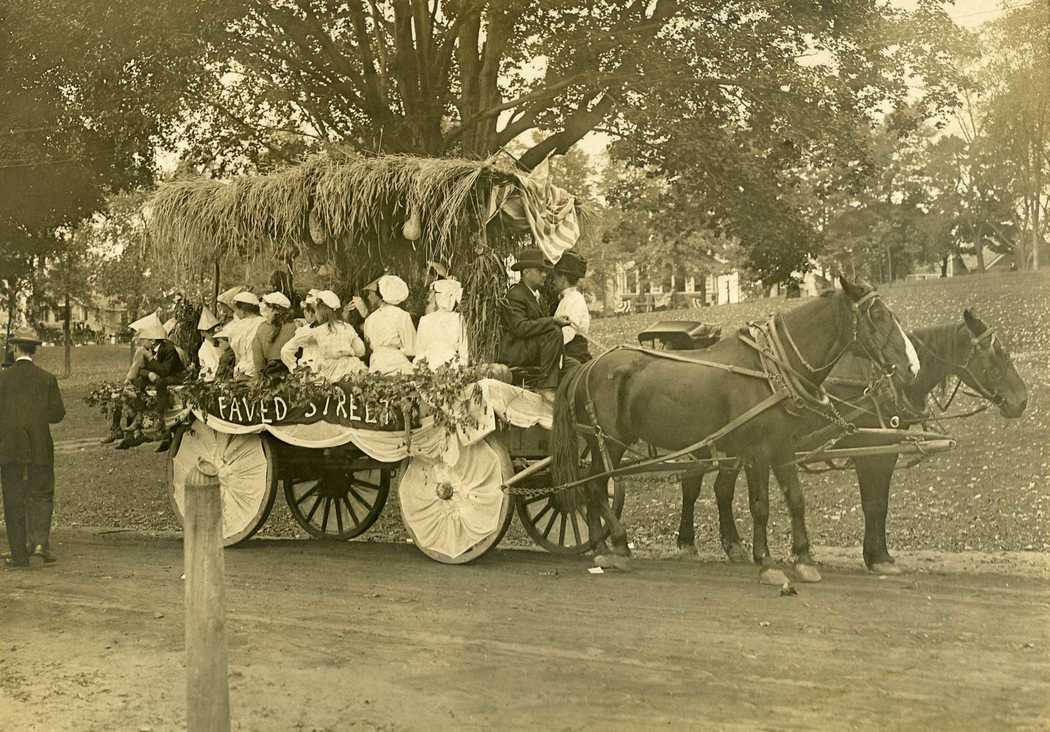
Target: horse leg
(598,508)
(758,501)
(725,488)
(787,477)
(874,475)
(686,534)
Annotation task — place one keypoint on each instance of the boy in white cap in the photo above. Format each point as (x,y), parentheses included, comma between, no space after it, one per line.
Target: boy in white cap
(389,329)
(224,303)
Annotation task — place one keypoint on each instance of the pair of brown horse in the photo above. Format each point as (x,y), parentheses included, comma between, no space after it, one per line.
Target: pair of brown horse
(628,395)
(967,350)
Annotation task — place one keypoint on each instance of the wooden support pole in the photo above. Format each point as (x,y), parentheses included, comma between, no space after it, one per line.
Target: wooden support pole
(207,683)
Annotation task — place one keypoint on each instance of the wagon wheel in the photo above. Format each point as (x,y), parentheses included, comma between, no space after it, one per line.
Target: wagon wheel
(339,504)
(558,521)
(247,477)
(456,514)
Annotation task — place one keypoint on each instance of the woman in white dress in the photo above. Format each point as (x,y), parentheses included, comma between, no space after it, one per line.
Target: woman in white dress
(442,336)
(389,329)
(338,348)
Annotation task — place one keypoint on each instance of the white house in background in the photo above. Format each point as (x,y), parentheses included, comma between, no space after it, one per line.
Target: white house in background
(103,315)
(964,264)
(675,289)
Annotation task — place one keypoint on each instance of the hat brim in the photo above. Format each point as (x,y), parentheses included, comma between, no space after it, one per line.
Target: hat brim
(15,340)
(519,266)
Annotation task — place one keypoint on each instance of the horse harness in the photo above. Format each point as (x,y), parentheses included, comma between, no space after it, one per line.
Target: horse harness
(786,383)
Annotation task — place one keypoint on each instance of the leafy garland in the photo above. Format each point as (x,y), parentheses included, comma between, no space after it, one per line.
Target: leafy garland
(122,398)
(445,394)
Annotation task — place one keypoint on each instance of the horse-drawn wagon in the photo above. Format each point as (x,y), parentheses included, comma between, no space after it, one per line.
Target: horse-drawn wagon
(459,485)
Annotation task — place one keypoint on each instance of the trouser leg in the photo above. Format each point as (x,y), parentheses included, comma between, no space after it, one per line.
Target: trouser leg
(40,504)
(13,478)
(550,346)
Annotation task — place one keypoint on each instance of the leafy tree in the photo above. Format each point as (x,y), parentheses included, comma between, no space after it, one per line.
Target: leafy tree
(1017,120)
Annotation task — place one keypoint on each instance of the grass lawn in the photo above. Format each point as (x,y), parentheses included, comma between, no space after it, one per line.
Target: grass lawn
(988,494)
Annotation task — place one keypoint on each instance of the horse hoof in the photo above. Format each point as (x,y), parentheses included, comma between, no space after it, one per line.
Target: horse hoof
(737,554)
(885,568)
(686,552)
(612,561)
(772,576)
(807,573)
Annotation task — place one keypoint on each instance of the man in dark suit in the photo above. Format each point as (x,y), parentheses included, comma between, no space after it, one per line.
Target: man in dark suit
(531,337)
(29,402)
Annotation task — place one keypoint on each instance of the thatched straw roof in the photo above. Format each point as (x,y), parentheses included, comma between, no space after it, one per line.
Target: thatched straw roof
(349,214)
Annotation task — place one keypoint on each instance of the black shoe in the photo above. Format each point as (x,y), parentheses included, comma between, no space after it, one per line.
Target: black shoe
(112,437)
(44,553)
(11,563)
(164,445)
(130,441)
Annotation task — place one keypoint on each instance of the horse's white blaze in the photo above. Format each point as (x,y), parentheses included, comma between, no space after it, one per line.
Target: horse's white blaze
(913,355)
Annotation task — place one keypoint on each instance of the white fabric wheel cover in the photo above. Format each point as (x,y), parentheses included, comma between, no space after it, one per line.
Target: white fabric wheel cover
(244,474)
(454,525)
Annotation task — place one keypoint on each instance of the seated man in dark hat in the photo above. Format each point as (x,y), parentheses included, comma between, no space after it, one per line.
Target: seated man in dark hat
(532,338)
(569,270)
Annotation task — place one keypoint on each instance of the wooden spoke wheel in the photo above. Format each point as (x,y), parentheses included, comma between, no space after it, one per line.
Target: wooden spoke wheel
(456,514)
(558,521)
(339,504)
(247,477)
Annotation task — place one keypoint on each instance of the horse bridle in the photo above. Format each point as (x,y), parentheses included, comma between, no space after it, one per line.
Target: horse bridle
(976,344)
(859,309)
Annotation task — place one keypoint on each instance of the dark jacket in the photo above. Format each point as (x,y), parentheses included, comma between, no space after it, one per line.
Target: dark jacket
(166,364)
(29,402)
(524,319)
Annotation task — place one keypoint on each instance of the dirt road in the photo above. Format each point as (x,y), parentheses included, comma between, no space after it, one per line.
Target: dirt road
(374,636)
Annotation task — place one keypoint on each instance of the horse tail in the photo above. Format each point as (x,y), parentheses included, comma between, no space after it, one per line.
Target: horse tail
(565,454)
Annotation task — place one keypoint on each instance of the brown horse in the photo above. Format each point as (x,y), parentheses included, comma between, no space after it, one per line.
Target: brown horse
(674,403)
(967,350)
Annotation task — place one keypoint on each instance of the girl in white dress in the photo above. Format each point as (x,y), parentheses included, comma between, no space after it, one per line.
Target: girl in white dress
(300,349)
(210,352)
(338,347)
(242,333)
(442,336)
(389,329)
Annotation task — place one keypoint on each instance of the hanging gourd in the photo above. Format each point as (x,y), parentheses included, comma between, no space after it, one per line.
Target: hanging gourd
(413,228)
(318,230)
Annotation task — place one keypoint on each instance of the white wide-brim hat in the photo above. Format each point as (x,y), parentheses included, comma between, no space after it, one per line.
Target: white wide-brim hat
(226,298)
(207,320)
(447,292)
(277,300)
(169,325)
(392,289)
(330,299)
(246,298)
(149,328)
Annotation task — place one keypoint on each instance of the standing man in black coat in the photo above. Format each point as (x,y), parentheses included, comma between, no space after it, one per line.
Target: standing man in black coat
(531,337)
(29,402)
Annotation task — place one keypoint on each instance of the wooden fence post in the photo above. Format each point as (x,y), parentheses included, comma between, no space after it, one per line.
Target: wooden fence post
(207,682)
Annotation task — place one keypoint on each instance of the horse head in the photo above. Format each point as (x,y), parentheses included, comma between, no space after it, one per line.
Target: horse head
(878,332)
(989,370)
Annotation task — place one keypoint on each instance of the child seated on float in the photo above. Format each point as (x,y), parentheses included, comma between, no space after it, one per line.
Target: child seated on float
(442,336)
(337,348)
(242,333)
(155,363)
(209,355)
(273,333)
(300,349)
(389,329)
